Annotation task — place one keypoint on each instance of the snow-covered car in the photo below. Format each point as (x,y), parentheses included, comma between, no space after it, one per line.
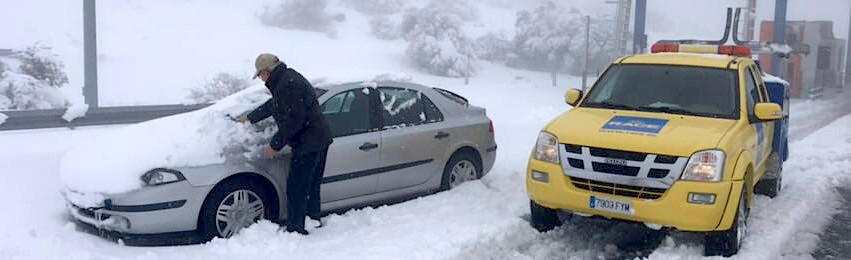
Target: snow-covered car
(202,173)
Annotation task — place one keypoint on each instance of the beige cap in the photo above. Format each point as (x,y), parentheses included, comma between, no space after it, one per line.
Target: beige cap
(265,62)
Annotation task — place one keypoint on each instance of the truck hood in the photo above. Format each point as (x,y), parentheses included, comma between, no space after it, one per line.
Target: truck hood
(658,133)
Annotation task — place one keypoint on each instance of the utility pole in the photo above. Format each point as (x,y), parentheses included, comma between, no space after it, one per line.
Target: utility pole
(90,87)
(639,39)
(587,43)
(779,36)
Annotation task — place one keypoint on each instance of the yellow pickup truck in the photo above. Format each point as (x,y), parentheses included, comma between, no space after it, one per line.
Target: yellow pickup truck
(680,138)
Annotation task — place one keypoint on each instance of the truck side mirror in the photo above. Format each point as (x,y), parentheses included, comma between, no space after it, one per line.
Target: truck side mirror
(768,111)
(572,97)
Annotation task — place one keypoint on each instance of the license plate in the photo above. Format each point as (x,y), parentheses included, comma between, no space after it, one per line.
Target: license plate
(610,205)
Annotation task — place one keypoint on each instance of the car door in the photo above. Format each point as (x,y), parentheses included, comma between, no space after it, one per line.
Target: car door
(413,139)
(753,96)
(355,151)
(767,127)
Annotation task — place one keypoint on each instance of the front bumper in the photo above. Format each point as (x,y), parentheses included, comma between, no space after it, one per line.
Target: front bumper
(670,210)
(160,209)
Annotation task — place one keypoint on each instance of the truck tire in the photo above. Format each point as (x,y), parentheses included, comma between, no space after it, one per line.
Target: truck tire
(727,243)
(772,181)
(544,219)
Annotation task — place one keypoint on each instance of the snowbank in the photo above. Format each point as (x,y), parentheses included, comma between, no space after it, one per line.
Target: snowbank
(190,139)
(3,118)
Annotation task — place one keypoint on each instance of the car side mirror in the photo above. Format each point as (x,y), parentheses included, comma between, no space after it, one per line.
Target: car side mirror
(572,97)
(768,111)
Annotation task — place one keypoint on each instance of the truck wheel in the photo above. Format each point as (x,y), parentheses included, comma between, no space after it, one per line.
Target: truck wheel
(544,219)
(727,243)
(771,183)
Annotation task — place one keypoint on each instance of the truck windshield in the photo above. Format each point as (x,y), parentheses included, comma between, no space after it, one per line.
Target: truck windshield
(684,90)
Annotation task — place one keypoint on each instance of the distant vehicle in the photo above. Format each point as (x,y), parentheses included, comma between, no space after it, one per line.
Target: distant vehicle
(682,138)
(392,140)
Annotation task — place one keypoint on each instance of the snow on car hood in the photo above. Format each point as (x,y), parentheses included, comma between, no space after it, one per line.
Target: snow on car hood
(113,163)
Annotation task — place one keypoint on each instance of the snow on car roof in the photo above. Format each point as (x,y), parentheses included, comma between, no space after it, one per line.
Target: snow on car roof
(774,79)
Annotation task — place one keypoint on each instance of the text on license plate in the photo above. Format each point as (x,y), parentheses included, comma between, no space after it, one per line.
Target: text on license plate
(610,205)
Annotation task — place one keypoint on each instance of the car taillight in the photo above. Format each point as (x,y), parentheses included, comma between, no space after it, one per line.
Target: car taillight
(490,126)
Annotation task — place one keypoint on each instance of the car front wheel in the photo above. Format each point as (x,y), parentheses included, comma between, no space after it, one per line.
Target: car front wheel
(232,206)
(727,243)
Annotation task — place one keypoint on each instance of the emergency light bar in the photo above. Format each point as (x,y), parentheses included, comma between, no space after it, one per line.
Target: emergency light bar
(733,50)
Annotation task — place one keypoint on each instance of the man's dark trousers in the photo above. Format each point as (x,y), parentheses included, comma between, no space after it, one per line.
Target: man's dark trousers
(303,182)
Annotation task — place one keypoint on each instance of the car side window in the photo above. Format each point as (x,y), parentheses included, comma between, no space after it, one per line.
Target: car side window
(347,113)
(750,88)
(760,84)
(405,107)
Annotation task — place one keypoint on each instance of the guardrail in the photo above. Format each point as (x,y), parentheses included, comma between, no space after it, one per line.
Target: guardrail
(816,93)
(50,118)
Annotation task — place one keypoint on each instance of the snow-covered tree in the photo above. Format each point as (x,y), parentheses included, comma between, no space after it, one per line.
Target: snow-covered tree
(24,92)
(222,85)
(546,36)
(41,63)
(308,15)
(376,7)
(436,41)
(494,47)
(601,48)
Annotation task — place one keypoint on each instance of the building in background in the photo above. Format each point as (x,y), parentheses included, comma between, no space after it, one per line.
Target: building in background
(819,59)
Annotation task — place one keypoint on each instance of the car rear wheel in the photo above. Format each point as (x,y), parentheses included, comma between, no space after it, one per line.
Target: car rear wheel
(232,206)
(727,243)
(544,219)
(462,167)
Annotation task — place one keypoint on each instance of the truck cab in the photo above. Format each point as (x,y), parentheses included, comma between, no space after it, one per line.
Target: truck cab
(681,138)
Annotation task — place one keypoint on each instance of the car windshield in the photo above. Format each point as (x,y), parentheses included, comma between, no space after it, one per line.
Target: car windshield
(683,90)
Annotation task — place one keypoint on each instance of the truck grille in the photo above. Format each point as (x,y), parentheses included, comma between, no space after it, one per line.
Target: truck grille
(622,173)
(617,189)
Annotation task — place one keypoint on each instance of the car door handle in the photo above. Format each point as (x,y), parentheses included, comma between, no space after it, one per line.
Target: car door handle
(368,146)
(441,135)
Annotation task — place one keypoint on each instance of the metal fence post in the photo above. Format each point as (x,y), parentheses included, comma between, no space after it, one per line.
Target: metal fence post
(639,40)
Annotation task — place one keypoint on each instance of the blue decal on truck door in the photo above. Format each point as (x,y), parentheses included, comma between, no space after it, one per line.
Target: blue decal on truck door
(634,125)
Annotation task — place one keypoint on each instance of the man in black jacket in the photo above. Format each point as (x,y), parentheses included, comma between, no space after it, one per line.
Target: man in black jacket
(301,126)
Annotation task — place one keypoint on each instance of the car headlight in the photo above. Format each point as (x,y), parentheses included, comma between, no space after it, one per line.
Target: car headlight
(546,148)
(161,176)
(705,166)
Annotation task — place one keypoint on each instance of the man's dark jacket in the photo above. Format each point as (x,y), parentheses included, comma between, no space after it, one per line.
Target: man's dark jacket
(296,111)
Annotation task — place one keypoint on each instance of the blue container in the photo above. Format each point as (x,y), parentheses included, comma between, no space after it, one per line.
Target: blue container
(778,92)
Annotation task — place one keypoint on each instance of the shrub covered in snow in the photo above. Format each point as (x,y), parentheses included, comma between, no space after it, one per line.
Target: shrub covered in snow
(436,41)
(376,7)
(222,85)
(493,47)
(384,28)
(39,62)
(24,92)
(546,36)
(308,15)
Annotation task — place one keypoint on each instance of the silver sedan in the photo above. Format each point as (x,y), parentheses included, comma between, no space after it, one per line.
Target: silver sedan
(392,141)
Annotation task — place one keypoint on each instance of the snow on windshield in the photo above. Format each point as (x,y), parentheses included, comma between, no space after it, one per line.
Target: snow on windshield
(113,163)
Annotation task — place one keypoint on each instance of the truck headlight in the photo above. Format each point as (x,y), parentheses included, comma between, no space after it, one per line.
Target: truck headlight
(547,148)
(161,176)
(705,166)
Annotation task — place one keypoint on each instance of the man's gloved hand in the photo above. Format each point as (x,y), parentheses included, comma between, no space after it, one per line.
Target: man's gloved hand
(243,119)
